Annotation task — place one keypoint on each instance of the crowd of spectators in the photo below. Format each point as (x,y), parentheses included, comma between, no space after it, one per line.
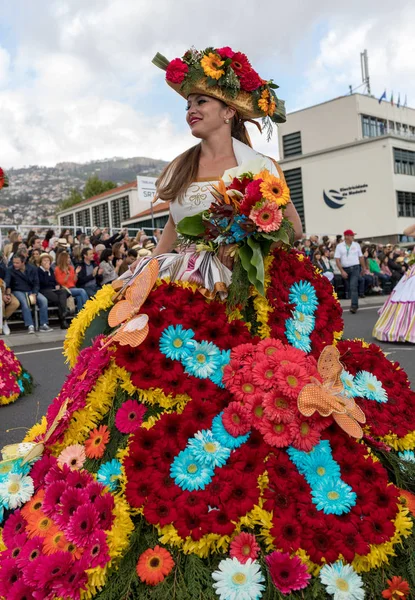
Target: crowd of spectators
(65,270)
(384,264)
(62,270)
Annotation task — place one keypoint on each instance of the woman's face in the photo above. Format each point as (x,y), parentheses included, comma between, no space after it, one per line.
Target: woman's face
(36,253)
(317,255)
(87,240)
(206,115)
(45,262)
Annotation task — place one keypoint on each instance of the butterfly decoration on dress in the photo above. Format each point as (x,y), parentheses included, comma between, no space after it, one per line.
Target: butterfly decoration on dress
(327,397)
(132,327)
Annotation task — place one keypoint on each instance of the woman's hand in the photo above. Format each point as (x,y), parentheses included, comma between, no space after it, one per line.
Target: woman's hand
(226,255)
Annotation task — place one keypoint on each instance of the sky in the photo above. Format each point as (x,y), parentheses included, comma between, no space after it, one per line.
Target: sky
(77,82)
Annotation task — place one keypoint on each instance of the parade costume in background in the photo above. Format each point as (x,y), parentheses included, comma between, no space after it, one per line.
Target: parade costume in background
(204,450)
(14,380)
(396,321)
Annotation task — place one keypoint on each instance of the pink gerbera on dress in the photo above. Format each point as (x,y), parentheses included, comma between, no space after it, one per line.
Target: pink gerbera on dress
(305,436)
(291,378)
(82,525)
(254,405)
(96,552)
(278,435)
(236,419)
(243,386)
(267,217)
(269,346)
(130,416)
(72,456)
(279,408)
(243,547)
(264,374)
(288,574)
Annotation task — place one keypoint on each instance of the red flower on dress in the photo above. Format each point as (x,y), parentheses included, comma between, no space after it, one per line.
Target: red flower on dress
(130,416)
(236,419)
(176,71)
(288,574)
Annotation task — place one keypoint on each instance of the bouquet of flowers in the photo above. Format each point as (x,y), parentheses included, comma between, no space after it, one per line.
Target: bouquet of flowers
(248,215)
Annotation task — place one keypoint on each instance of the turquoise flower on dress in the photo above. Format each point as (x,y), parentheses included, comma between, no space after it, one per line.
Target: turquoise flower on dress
(203,361)
(16,489)
(237,581)
(109,474)
(26,375)
(217,376)
(348,382)
(407,455)
(342,582)
(223,437)
(20,384)
(304,296)
(320,466)
(207,450)
(295,338)
(333,496)
(189,473)
(303,323)
(176,342)
(368,386)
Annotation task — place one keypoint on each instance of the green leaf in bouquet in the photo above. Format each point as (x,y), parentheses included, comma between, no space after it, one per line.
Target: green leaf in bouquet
(191,226)
(253,263)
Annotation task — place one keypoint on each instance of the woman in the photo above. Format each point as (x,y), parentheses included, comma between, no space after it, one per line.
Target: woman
(177,449)
(119,252)
(66,276)
(396,322)
(395,267)
(109,272)
(55,293)
(49,235)
(35,258)
(321,261)
(375,270)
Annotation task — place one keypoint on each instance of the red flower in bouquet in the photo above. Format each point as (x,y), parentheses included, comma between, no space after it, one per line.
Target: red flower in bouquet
(240,64)
(252,195)
(176,71)
(398,589)
(251,81)
(239,184)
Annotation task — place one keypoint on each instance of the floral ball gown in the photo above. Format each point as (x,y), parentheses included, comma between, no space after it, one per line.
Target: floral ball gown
(232,455)
(14,380)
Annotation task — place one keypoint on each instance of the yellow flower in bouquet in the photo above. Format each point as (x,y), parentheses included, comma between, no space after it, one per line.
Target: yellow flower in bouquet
(212,64)
(273,188)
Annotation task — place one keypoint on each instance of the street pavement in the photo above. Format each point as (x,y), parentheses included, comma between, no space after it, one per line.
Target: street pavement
(42,357)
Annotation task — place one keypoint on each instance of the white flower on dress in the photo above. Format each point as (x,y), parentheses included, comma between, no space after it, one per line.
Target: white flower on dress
(237,581)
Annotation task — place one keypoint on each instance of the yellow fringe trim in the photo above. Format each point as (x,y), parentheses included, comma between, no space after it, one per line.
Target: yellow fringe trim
(8,399)
(405,443)
(75,334)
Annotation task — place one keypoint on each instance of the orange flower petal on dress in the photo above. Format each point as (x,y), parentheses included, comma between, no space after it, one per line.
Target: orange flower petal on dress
(154,565)
(96,443)
(398,589)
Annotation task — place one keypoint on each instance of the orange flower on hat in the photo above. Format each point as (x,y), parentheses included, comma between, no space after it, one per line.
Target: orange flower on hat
(154,565)
(97,441)
(273,188)
(212,65)
(398,589)
(263,102)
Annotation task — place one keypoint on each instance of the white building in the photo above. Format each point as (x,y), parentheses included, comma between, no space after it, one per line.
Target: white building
(350,164)
(110,209)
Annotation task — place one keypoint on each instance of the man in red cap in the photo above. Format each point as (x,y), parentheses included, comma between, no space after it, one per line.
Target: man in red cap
(349,259)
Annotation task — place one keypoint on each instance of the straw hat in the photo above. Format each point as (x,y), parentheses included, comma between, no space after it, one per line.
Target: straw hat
(227,76)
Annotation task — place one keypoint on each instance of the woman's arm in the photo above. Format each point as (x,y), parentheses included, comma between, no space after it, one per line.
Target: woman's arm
(168,238)
(292,215)
(409,231)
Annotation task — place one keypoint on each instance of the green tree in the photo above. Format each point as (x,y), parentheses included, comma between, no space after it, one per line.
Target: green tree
(95,186)
(74,198)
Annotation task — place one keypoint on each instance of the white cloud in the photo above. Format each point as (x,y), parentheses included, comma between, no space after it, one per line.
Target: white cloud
(77,84)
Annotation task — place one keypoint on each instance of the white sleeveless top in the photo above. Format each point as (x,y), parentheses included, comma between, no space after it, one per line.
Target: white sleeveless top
(198,196)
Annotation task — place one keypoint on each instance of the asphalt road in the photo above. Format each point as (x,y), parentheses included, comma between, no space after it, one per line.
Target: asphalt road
(46,363)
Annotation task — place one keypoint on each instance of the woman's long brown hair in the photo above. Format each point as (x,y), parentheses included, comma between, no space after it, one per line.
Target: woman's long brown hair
(62,261)
(182,171)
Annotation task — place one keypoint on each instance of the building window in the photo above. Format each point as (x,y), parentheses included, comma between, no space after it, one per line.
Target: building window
(100,215)
(146,225)
(404,161)
(406,204)
(373,127)
(120,210)
(391,126)
(294,181)
(291,144)
(83,218)
(66,221)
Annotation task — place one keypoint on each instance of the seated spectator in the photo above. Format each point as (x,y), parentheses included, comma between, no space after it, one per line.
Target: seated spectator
(109,272)
(35,258)
(49,235)
(66,276)
(119,252)
(395,268)
(321,260)
(36,244)
(22,279)
(338,283)
(52,290)
(374,267)
(8,303)
(128,260)
(76,255)
(384,266)
(98,250)
(89,275)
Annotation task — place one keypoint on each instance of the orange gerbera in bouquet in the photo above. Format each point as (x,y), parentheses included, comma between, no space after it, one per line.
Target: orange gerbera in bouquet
(248,215)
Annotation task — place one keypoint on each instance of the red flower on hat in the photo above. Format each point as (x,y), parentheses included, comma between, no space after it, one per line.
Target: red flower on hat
(225,52)
(176,71)
(250,81)
(240,64)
